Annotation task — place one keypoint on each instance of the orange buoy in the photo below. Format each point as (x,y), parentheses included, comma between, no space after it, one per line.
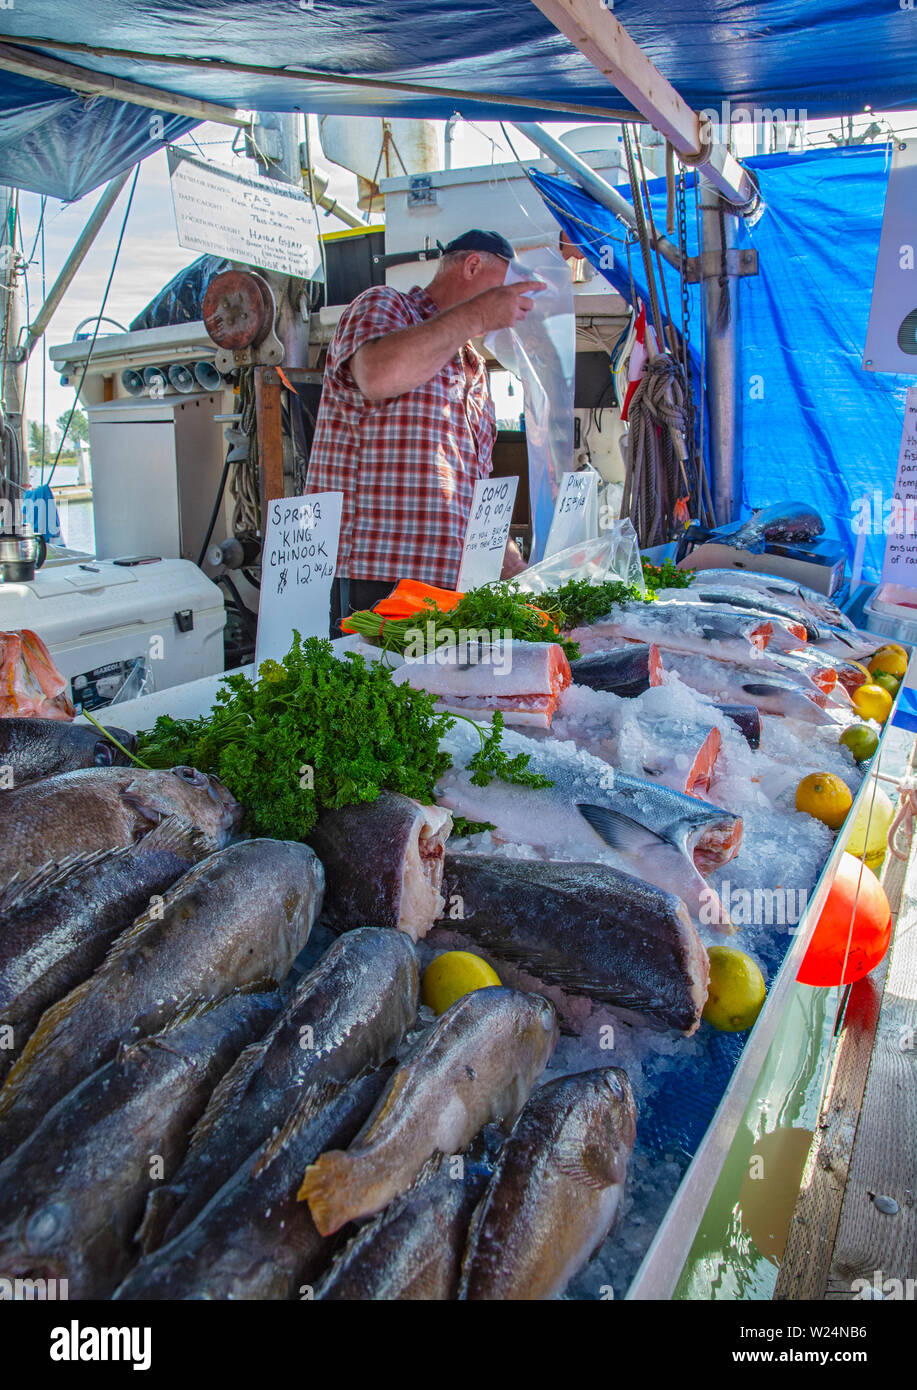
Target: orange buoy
(823,963)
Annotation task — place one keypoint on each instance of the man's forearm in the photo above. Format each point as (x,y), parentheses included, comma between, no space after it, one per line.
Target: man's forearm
(407,358)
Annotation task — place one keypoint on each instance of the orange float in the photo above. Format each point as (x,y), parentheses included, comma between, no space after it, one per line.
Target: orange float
(823,963)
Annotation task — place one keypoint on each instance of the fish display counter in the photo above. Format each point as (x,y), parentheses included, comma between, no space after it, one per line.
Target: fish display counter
(479,951)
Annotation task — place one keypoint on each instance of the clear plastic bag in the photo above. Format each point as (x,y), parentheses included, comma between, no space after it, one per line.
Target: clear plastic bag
(541,351)
(614,554)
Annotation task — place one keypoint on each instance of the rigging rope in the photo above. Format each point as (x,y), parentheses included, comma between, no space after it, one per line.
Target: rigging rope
(655,452)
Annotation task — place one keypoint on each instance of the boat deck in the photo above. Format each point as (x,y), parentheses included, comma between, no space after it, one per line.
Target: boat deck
(853,1234)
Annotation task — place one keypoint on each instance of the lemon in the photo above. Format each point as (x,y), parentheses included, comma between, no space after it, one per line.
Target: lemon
(887,681)
(861,740)
(890,659)
(825,797)
(452,975)
(872,702)
(737,990)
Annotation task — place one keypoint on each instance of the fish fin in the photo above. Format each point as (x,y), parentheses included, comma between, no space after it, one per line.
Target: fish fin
(227,1095)
(313,1100)
(161,1205)
(48,876)
(324,1187)
(392,1094)
(47,1025)
(576,1162)
(616,829)
(175,835)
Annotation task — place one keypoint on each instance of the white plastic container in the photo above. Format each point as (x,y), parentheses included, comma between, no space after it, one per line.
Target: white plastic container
(102,621)
(892,612)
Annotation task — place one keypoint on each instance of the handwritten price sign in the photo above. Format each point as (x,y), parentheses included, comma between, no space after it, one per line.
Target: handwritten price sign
(900,563)
(297,566)
(488,531)
(576,516)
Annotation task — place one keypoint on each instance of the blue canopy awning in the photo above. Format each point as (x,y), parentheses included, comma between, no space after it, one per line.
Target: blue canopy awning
(811,57)
(815,424)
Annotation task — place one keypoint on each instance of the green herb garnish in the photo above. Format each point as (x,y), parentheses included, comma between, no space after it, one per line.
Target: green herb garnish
(493,761)
(462,827)
(666,576)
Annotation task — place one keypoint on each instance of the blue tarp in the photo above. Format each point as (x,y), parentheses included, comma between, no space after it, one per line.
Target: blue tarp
(813,57)
(815,425)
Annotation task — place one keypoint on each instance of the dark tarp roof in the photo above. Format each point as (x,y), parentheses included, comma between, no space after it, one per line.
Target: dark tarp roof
(820,57)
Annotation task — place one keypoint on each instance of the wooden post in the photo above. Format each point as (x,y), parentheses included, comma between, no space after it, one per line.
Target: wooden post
(270,436)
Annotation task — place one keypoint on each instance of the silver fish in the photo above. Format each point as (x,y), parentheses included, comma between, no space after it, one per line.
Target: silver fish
(821,608)
(782,521)
(665,837)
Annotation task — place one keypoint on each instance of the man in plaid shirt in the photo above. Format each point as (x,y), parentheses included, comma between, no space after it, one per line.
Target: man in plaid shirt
(406,423)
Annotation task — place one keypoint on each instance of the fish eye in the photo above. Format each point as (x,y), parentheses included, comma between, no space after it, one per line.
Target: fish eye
(44,1225)
(189,774)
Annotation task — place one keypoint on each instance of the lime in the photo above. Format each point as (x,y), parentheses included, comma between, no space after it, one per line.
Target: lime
(861,740)
(872,702)
(737,990)
(452,975)
(891,659)
(825,797)
(887,681)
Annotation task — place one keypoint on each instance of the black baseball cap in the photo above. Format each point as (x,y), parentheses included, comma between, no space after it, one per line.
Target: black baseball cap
(476,240)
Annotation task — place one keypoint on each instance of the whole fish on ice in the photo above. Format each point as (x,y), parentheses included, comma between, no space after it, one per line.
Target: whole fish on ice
(352,1010)
(663,836)
(239,917)
(771,691)
(819,606)
(254,1240)
(833,639)
(477,1064)
(681,627)
(57,924)
(100,808)
(72,1194)
(555,1190)
(586,927)
(33,748)
(413,1249)
(383,863)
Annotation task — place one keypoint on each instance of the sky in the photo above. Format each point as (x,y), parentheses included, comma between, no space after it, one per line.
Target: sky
(150,254)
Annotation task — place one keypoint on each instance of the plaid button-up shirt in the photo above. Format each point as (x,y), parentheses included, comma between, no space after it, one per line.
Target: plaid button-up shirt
(407,465)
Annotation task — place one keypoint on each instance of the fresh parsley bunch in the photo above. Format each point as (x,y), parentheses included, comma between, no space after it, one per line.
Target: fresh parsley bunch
(309,732)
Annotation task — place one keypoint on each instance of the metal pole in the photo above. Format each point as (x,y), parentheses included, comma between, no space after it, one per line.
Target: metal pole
(12,404)
(592,183)
(72,264)
(719,231)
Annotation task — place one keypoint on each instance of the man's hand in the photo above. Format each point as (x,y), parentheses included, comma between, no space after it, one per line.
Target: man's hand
(502,307)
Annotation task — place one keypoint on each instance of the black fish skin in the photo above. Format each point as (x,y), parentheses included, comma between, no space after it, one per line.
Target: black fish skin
(240,916)
(34,748)
(555,1189)
(781,521)
(72,1194)
(56,926)
(359,1001)
(747,720)
(413,1249)
(586,927)
(366,849)
(254,1240)
(625,672)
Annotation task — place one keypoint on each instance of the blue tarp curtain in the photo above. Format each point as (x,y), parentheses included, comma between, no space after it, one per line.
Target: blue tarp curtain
(815,425)
(813,57)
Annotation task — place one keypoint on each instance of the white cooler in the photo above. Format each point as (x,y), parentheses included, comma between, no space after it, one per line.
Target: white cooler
(157,624)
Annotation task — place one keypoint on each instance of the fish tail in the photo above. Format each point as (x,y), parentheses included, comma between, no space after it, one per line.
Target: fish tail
(335,1191)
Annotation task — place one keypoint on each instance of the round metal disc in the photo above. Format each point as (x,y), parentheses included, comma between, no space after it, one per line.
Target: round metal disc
(233,310)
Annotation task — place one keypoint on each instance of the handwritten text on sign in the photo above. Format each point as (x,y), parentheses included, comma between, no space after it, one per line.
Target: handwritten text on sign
(258,221)
(900,564)
(297,566)
(575,512)
(488,531)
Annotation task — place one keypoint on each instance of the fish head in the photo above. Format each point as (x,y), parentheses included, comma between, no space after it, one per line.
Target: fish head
(545,1026)
(35,1245)
(196,797)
